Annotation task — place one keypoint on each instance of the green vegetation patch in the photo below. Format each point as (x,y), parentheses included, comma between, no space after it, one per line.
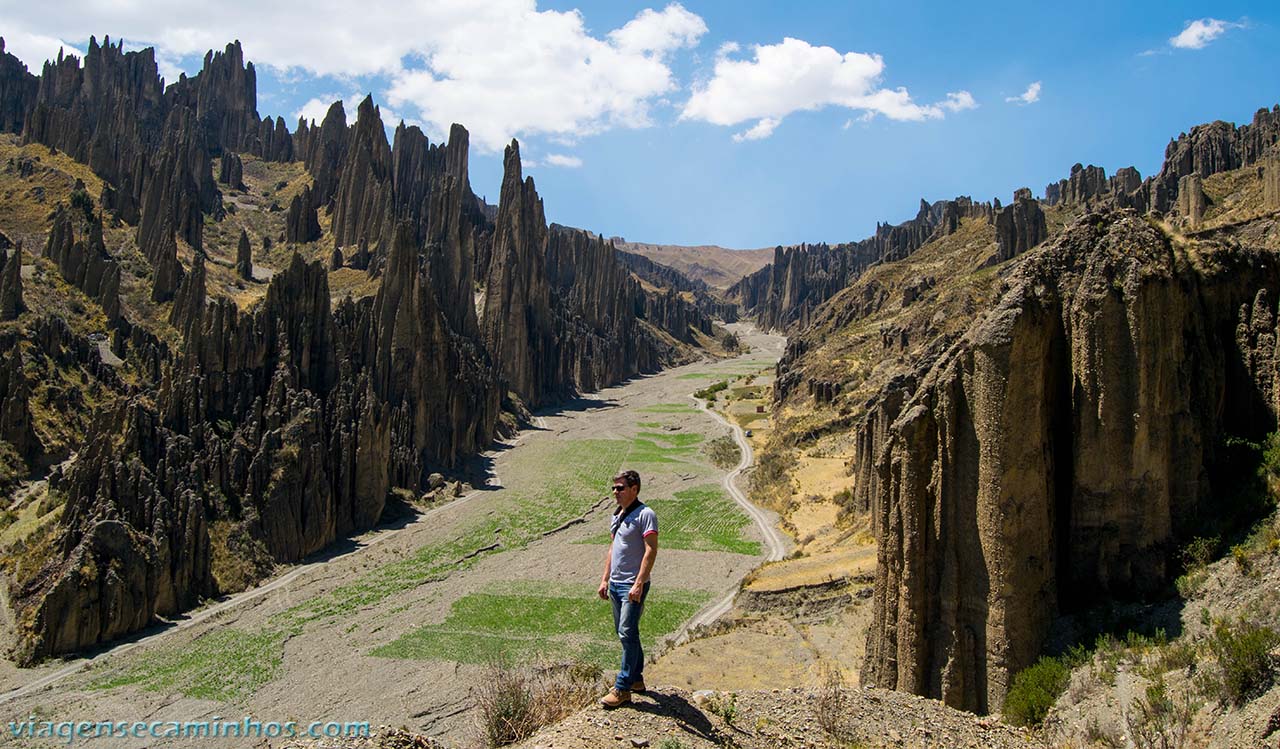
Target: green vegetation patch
(675,439)
(663,447)
(709,392)
(522,621)
(668,408)
(723,452)
(1034,691)
(223,665)
(699,519)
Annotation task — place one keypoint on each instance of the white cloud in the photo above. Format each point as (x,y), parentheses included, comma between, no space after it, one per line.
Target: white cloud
(651,31)
(503,68)
(34,49)
(318,106)
(761,130)
(562,160)
(794,76)
(1199,33)
(1030,96)
(958,101)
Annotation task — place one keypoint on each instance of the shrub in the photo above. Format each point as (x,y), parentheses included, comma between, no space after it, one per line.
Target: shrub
(730,342)
(723,452)
(1158,720)
(829,707)
(709,392)
(1034,691)
(513,703)
(1244,656)
(1199,552)
(726,706)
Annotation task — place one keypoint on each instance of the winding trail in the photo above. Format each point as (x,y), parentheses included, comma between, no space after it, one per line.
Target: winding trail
(768,529)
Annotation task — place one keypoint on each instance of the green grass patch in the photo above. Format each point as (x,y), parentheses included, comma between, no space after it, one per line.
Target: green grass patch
(675,439)
(663,447)
(650,424)
(698,519)
(223,665)
(541,620)
(668,408)
(715,375)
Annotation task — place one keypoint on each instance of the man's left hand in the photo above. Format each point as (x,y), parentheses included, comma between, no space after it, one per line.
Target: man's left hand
(637,590)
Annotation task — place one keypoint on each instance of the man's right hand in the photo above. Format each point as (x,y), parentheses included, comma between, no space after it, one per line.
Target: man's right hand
(603,592)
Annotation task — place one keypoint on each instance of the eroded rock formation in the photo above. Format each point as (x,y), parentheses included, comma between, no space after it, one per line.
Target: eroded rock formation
(244,257)
(1271,182)
(18,89)
(11,284)
(1052,455)
(301,224)
(785,293)
(231,171)
(362,202)
(1019,227)
(1191,199)
(85,263)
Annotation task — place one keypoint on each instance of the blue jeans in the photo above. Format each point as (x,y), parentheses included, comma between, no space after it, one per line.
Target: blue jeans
(626,620)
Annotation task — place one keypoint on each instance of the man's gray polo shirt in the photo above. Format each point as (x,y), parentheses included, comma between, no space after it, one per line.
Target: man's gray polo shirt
(628,542)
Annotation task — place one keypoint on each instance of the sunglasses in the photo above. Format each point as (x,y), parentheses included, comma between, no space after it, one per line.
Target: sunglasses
(619,487)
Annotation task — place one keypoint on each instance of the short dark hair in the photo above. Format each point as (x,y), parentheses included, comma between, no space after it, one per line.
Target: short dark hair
(630,477)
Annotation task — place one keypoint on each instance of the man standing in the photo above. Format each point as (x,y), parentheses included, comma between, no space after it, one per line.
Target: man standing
(633,531)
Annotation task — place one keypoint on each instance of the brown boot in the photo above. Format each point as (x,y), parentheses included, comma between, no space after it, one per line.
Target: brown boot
(638,686)
(616,698)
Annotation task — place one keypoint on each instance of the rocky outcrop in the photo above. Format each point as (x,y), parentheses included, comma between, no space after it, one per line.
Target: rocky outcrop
(516,323)
(18,89)
(15,416)
(1191,199)
(1019,227)
(1271,182)
(1054,454)
(301,225)
(11,284)
(188,301)
(179,187)
(785,293)
(1083,185)
(231,171)
(224,95)
(108,114)
(325,151)
(244,258)
(85,263)
(254,424)
(597,305)
(709,304)
(1210,149)
(362,204)
(166,271)
(440,384)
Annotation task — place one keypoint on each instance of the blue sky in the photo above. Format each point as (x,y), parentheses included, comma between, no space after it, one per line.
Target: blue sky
(745,124)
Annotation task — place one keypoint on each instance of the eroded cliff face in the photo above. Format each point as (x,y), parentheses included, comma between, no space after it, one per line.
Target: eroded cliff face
(1051,455)
(785,294)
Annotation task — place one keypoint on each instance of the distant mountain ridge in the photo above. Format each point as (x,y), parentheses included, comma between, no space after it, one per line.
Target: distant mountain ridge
(719,267)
